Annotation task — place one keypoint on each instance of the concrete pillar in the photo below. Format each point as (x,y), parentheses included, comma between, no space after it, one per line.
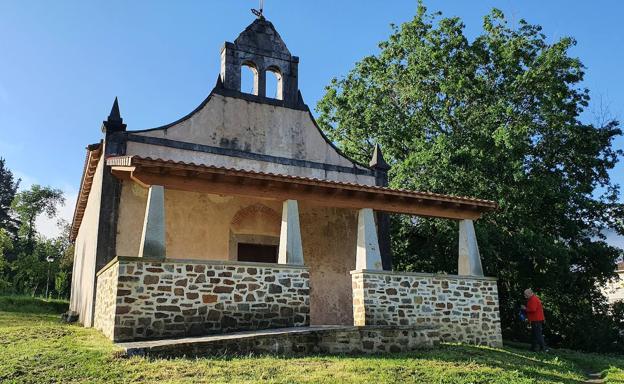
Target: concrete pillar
(368,255)
(469,257)
(153,236)
(290,249)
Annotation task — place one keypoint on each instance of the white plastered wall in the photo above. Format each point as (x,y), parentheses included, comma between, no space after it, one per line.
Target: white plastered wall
(85,248)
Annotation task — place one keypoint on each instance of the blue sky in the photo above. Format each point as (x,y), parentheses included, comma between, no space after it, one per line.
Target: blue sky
(63,62)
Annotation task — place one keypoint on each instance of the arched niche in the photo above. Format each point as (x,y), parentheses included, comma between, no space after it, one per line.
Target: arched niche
(254,234)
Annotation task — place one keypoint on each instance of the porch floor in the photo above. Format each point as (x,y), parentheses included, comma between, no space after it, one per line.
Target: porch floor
(295,340)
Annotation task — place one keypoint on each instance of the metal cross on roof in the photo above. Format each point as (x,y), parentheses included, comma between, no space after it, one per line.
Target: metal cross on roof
(258,12)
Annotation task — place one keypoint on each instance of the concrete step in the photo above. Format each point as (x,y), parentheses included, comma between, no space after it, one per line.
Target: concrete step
(299,340)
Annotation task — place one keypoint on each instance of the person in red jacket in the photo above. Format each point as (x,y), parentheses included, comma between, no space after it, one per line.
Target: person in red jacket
(535,315)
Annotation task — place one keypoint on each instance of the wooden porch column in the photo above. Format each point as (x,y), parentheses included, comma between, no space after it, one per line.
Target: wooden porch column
(469,257)
(368,255)
(290,250)
(153,235)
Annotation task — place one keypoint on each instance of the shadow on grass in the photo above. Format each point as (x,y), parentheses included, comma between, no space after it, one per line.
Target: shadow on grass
(528,364)
(540,367)
(35,305)
(589,361)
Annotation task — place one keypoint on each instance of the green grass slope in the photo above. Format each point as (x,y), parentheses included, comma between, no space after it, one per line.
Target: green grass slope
(37,348)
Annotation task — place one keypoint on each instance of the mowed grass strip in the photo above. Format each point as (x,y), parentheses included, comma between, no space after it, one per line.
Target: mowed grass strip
(36,348)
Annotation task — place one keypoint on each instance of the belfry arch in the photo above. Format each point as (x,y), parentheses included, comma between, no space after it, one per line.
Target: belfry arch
(274,88)
(249,78)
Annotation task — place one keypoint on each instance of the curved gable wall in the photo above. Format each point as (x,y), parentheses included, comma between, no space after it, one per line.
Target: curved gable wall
(280,134)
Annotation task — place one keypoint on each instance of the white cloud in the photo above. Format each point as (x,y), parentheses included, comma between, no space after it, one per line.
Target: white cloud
(49,227)
(44,225)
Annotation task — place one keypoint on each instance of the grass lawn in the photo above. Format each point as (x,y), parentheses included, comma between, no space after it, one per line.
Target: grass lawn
(36,348)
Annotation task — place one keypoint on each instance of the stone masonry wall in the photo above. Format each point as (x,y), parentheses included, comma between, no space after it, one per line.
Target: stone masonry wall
(105,299)
(464,308)
(176,298)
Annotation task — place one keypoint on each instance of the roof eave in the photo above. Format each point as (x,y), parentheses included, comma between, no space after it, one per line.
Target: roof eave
(148,171)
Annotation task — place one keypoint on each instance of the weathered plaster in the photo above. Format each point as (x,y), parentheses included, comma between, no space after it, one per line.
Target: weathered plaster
(204,226)
(198,226)
(253,127)
(132,205)
(329,245)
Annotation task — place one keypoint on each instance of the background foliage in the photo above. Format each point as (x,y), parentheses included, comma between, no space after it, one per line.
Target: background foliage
(30,263)
(498,118)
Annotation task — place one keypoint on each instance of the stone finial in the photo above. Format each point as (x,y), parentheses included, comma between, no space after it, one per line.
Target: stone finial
(377,161)
(114,114)
(114,123)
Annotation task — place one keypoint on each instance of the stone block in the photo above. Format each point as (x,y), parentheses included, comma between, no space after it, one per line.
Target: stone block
(150,279)
(222,289)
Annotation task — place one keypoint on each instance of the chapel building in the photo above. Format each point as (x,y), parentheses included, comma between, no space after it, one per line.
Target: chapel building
(242,215)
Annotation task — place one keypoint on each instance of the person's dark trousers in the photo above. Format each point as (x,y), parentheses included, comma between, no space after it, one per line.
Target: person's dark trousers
(538,336)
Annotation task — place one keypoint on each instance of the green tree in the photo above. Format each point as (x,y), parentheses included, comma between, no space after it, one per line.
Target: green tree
(496,118)
(61,283)
(64,260)
(6,245)
(8,188)
(34,273)
(31,203)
